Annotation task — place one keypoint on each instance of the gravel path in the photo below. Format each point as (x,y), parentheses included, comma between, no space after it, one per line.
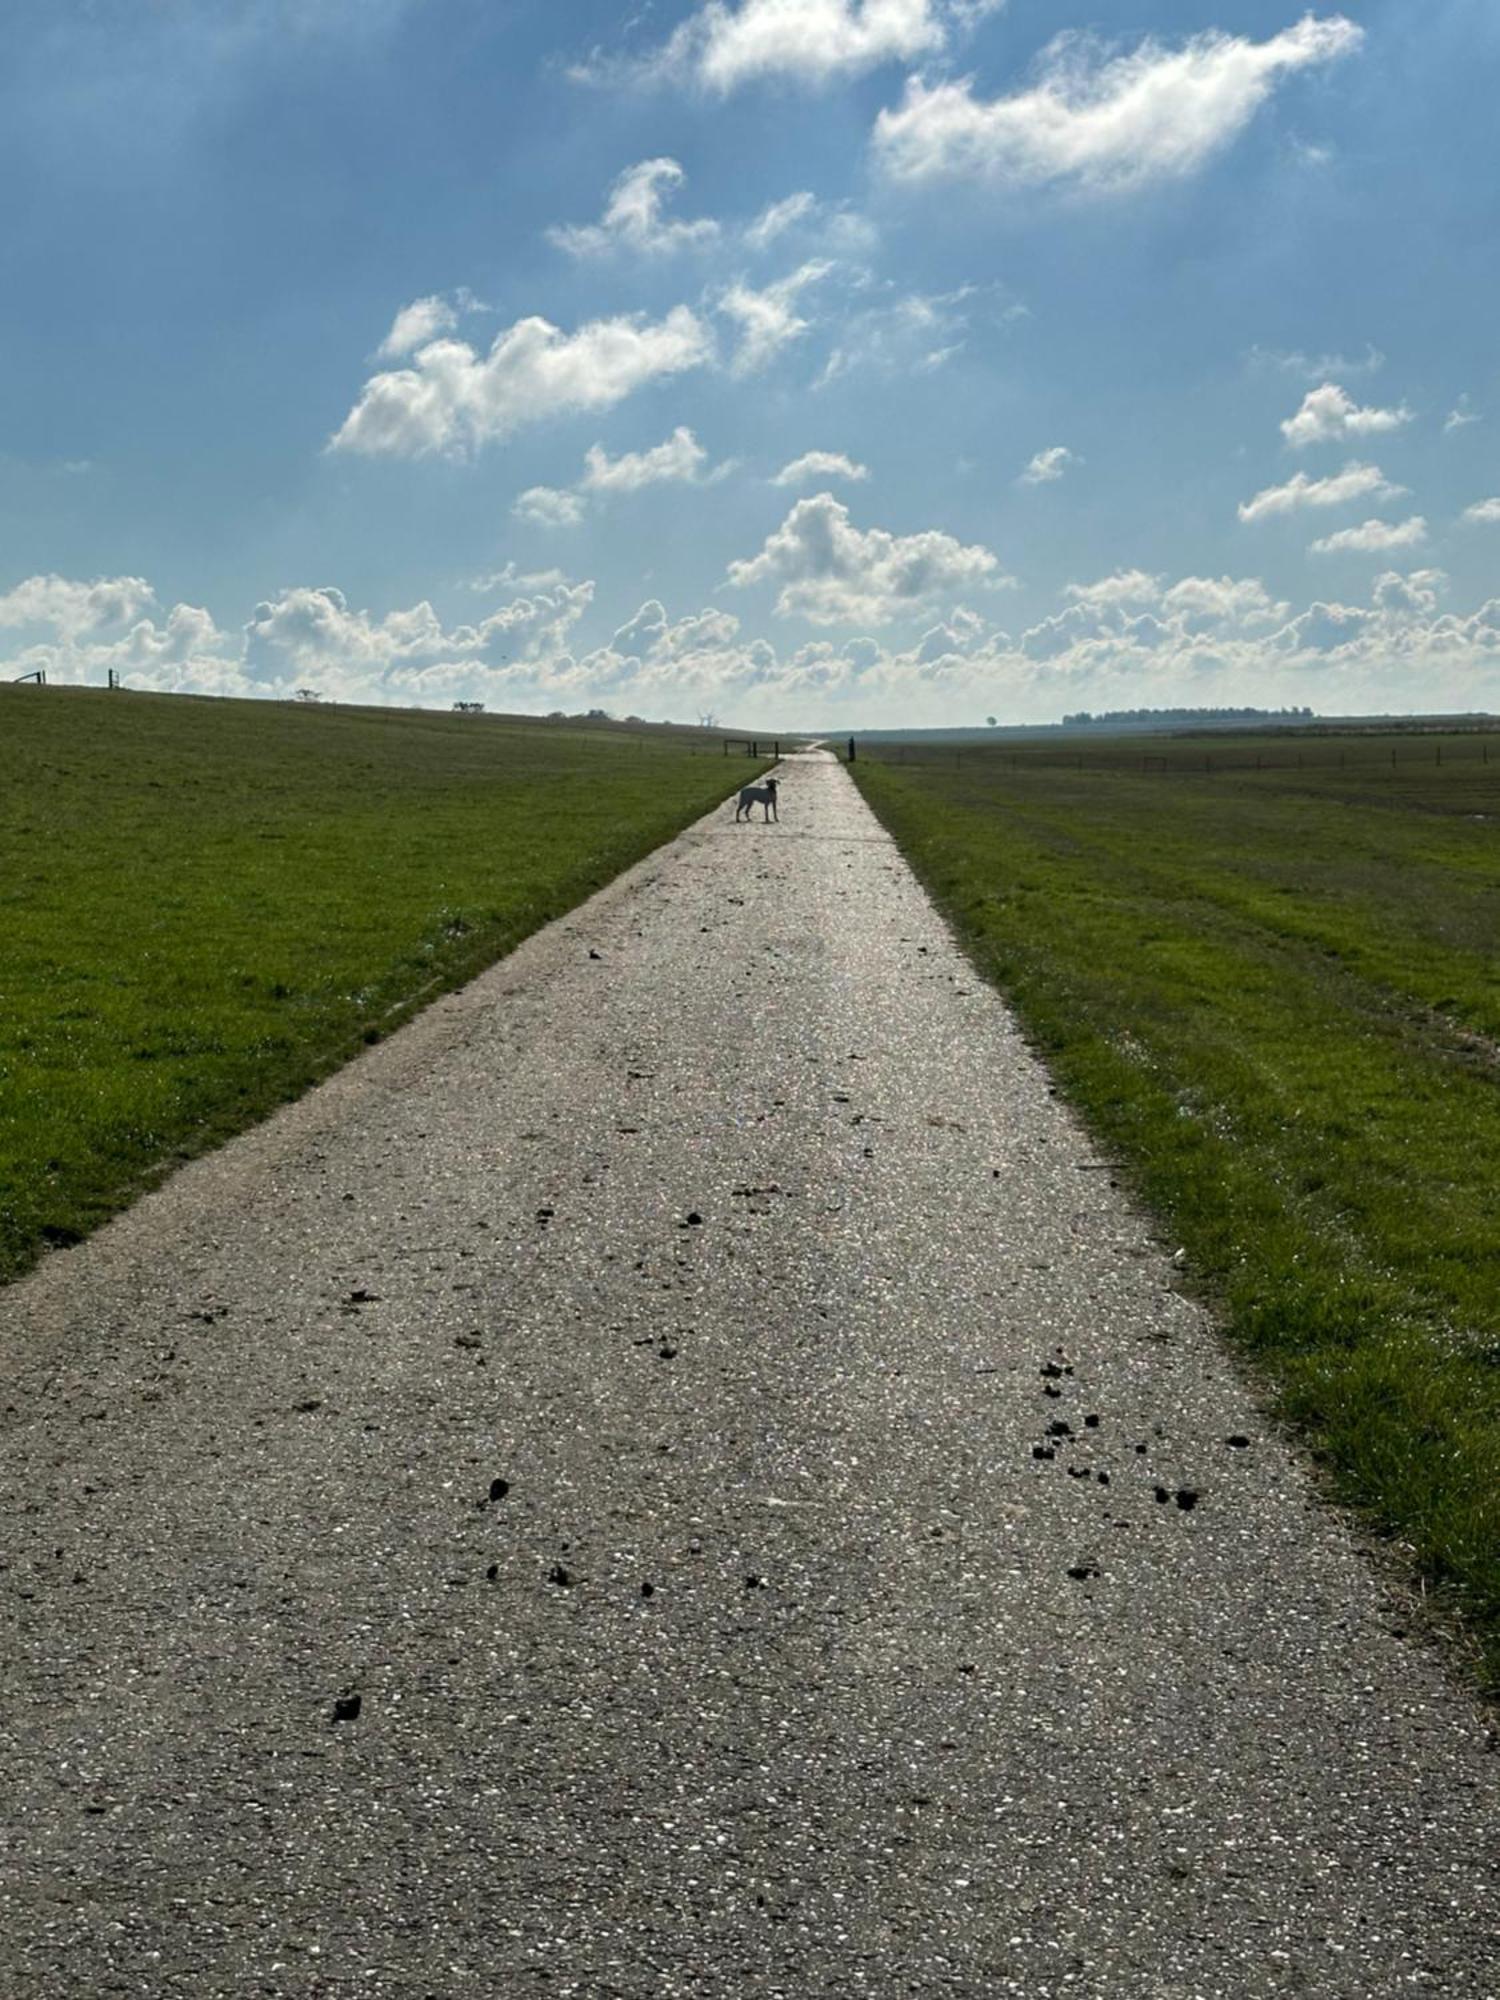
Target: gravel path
(701,1395)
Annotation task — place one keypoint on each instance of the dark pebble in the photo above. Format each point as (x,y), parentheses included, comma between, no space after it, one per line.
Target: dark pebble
(1091,1423)
(1083,1572)
(592,952)
(499,1488)
(1162,1496)
(753,1582)
(1043,1451)
(347,1707)
(1187,1498)
(667,1353)
(1059,1428)
(493,1571)
(1103,1478)
(1051,1370)
(562,1577)
(694,1218)
(1239,1442)
(648,1590)
(1050,1391)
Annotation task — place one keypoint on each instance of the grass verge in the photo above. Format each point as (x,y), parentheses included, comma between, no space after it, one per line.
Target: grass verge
(208,905)
(1272,994)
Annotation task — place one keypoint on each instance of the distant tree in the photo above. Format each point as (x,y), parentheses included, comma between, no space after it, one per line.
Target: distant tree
(598,715)
(308,694)
(993,721)
(469,707)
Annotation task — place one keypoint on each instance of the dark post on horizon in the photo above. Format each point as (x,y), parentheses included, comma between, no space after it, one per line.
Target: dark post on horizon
(851,749)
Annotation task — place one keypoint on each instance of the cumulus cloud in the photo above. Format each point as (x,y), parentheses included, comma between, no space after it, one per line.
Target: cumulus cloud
(1483,510)
(1330,414)
(1129,640)
(1460,417)
(1239,600)
(1373,538)
(81,632)
(71,609)
(1099,120)
(820,465)
(453,399)
(1125,586)
(314,636)
(768,320)
(634,217)
(722,47)
(1048,465)
(833,573)
(1355,482)
(548,507)
(415,325)
(679,457)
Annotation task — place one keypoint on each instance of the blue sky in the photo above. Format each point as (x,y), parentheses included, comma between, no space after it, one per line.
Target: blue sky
(794,361)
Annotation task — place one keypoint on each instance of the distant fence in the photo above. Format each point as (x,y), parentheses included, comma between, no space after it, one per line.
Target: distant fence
(752,746)
(39,677)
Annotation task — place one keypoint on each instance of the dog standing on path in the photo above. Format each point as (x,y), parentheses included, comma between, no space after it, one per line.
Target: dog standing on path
(752,795)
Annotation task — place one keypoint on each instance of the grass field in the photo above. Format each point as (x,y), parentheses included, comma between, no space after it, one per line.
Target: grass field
(206,905)
(1273,994)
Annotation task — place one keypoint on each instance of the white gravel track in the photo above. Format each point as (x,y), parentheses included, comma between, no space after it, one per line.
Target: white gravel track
(731,1225)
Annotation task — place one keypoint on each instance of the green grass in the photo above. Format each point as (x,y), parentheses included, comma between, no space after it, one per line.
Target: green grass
(1273,994)
(204,906)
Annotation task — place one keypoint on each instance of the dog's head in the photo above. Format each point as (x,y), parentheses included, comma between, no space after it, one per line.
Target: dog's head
(771,786)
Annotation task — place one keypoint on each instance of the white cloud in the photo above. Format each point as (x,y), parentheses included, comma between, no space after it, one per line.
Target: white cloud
(779,217)
(633,218)
(1329,414)
(415,325)
(1483,510)
(1048,465)
(1355,482)
(679,457)
(453,399)
(820,465)
(511,578)
(1126,641)
(919,332)
(83,632)
(722,47)
(833,573)
(314,637)
(1315,367)
(767,319)
(1126,586)
(1373,538)
(548,507)
(1460,417)
(1238,600)
(71,609)
(1098,120)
